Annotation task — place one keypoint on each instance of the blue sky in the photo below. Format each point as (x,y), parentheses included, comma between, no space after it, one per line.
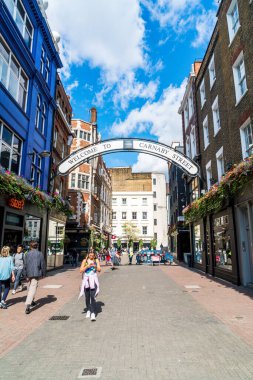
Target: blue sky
(130,59)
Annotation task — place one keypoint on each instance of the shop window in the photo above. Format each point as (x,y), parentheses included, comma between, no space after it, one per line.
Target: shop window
(32,230)
(14,220)
(222,245)
(198,245)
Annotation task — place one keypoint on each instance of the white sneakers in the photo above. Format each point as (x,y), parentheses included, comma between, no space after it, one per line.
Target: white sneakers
(88,314)
(13,292)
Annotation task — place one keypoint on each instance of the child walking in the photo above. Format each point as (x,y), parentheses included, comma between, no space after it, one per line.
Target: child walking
(90,285)
(6,275)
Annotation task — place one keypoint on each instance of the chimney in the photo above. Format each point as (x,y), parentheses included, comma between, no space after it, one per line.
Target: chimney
(93,115)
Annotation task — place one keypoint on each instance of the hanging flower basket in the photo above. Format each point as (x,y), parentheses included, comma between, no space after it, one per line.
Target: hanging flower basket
(230,185)
(18,188)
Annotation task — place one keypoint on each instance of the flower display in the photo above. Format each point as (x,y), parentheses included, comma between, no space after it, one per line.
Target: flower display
(230,185)
(17,187)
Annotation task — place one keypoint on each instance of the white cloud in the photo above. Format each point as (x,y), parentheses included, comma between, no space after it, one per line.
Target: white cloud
(128,88)
(182,16)
(160,119)
(204,26)
(108,35)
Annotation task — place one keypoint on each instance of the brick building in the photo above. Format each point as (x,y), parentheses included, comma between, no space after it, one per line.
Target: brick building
(179,235)
(222,242)
(62,139)
(89,191)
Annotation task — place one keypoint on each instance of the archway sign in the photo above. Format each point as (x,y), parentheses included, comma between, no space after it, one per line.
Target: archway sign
(150,147)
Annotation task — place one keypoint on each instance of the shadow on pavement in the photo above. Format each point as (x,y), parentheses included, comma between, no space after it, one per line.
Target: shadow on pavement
(43,301)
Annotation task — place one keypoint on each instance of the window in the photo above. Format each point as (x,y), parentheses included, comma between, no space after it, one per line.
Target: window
(222,246)
(134,215)
(43,119)
(114,215)
(212,74)
(45,66)
(190,102)
(155,222)
(188,147)
(124,201)
(144,201)
(22,20)
(198,245)
(233,20)
(124,215)
(208,175)
(10,149)
(37,116)
(239,77)
(202,93)
(154,194)
(12,75)
(144,230)
(186,115)
(155,236)
(36,166)
(220,163)
(55,137)
(154,181)
(144,215)
(114,201)
(246,132)
(216,116)
(155,207)
(206,132)
(83,181)
(63,149)
(193,142)
(73,180)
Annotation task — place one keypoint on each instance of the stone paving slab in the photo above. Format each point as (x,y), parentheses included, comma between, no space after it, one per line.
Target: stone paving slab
(148,328)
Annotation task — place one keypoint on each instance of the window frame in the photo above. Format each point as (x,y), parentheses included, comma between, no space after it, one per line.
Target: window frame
(11,147)
(220,163)
(202,92)
(247,123)
(215,111)
(208,178)
(237,80)
(231,32)
(211,69)
(206,133)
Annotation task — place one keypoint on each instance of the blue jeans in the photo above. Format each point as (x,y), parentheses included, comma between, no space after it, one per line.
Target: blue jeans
(7,285)
(17,273)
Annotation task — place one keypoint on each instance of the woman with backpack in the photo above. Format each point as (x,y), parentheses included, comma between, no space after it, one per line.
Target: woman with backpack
(6,275)
(18,260)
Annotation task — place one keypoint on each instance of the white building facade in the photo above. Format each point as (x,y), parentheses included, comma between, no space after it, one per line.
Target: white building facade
(147,210)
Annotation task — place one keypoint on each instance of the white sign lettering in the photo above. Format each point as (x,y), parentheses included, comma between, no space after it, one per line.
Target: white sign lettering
(160,150)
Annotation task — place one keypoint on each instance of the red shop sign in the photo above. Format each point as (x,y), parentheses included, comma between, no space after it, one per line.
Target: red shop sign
(16,203)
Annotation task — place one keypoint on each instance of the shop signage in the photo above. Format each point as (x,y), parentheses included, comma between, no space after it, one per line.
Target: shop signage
(16,203)
(154,148)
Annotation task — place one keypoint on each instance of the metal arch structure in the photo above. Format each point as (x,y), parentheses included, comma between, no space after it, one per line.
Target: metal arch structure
(150,147)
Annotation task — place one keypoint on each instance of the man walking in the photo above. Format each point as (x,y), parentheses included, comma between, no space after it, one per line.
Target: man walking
(34,268)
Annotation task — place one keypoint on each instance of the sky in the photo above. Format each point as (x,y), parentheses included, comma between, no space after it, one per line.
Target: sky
(131,60)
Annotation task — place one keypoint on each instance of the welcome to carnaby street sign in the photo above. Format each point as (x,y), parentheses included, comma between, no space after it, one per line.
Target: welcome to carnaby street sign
(150,147)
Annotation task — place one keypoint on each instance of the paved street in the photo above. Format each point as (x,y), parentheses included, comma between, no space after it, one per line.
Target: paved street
(153,323)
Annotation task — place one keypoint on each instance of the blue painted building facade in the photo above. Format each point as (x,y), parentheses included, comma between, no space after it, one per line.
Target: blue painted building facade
(29,61)
(28,66)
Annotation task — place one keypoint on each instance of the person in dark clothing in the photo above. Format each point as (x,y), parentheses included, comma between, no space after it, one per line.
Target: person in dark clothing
(74,257)
(34,269)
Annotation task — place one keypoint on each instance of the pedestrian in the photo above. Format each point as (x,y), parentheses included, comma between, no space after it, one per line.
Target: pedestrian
(74,257)
(18,261)
(90,285)
(34,269)
(6,275)
(130,256)
(107,258)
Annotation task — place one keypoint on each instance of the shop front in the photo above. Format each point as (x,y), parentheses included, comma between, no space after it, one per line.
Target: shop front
(214,247)
(56,240)
(22,222)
